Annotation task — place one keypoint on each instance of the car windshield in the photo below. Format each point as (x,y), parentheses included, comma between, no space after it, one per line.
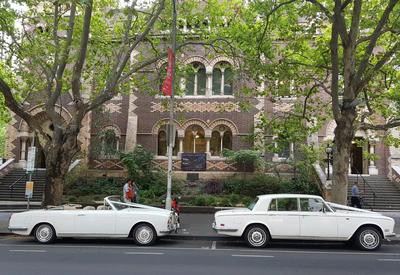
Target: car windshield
(251,206)
(332,207)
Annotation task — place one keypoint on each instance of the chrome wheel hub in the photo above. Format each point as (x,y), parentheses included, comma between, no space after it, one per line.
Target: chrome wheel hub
(144,235)
(257,237)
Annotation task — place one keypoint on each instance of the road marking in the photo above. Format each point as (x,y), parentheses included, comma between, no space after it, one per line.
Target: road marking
(144,253)
(389,260)
(217,249)
(254,256)
(32,251)
(214,245)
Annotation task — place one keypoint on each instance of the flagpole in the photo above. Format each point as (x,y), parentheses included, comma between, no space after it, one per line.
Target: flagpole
(171,113)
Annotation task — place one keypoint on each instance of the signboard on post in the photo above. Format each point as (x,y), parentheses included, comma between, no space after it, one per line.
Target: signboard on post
(31,159)
(29,190)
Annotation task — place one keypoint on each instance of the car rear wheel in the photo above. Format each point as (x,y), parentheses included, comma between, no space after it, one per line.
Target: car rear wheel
(45,234)
(256,236)
(368,238)
(144,234)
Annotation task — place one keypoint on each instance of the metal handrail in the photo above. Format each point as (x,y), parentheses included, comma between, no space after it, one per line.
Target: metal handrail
(26,175)
(365,183)
(11,186)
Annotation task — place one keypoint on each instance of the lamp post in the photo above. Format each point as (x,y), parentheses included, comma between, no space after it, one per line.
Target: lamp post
(328,151)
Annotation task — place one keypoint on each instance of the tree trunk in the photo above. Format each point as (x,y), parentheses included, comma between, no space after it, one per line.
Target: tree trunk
(344,134)
(58,159)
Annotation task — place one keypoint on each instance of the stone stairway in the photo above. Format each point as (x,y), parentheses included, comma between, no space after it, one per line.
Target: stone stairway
(388,195)
(17,192)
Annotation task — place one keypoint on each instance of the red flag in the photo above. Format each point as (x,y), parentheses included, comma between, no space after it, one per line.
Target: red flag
(167,85)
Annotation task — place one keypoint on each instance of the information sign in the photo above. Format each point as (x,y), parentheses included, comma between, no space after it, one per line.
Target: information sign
(29,190)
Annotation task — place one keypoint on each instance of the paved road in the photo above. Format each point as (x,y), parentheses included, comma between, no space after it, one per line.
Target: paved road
(24,256)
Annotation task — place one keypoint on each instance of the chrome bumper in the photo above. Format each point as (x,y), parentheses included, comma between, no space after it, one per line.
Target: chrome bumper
(214,226)
(17,228)
(391,235)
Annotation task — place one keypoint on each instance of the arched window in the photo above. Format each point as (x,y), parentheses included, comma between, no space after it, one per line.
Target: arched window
(196,81)
(194,141)
(283,143)
(222,79)
(162,143)
(162,146)
(217,143)
(227,140)
(109,143)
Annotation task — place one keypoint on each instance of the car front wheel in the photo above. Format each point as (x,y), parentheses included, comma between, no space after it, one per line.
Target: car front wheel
(256,236)
(144,234)
(45,234)
(368,238)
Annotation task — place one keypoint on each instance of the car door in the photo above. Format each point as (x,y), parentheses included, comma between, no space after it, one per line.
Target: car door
(283,218)
(95,222)
(317,221)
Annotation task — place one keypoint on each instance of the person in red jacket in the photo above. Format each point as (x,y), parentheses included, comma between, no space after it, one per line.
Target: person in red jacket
(175,205)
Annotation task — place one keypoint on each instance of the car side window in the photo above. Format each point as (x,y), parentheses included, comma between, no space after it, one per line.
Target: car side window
(272,205)
(287,204)
(311,205)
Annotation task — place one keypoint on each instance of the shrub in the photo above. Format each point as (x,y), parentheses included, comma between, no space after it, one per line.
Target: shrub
(307,188)
(247,158)
(72,199)
(287,187)
(246,201)
(234,199)
(234,185)
(138,162)
(95,186)
(200,201)
(211,201)
(213,186)
(261,184)
(142,200)
(147,194)
(156,182)
(225,202)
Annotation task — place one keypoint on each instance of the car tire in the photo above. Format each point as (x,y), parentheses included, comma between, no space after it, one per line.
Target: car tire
(45,234)
(144,234)
(256,236)
(368,238)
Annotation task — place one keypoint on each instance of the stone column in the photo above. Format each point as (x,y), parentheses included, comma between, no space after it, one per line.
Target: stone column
(222,80)
(372,168)
(22,160)
(132,127)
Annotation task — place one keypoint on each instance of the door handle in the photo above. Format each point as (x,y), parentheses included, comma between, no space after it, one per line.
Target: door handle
(81,215)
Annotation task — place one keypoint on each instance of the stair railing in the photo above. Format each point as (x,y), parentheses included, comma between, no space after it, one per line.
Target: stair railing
(12,185)
(365,183)
(26,179)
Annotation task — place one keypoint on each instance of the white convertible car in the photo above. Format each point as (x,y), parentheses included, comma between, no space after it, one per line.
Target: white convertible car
(114,219)
(303,217)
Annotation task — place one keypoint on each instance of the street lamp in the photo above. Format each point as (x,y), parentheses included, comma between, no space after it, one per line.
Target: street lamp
(328,151)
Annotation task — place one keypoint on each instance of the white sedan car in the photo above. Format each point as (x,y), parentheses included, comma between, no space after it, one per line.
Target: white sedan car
(114,219)
(303,217)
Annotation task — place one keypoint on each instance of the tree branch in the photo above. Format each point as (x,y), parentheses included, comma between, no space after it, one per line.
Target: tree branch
(77,70)
(367,38)
(385,58)
(355,21)
(374,38)
(381,127)
(322,8)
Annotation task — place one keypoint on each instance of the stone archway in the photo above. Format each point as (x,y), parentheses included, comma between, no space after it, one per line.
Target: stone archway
(26,134)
